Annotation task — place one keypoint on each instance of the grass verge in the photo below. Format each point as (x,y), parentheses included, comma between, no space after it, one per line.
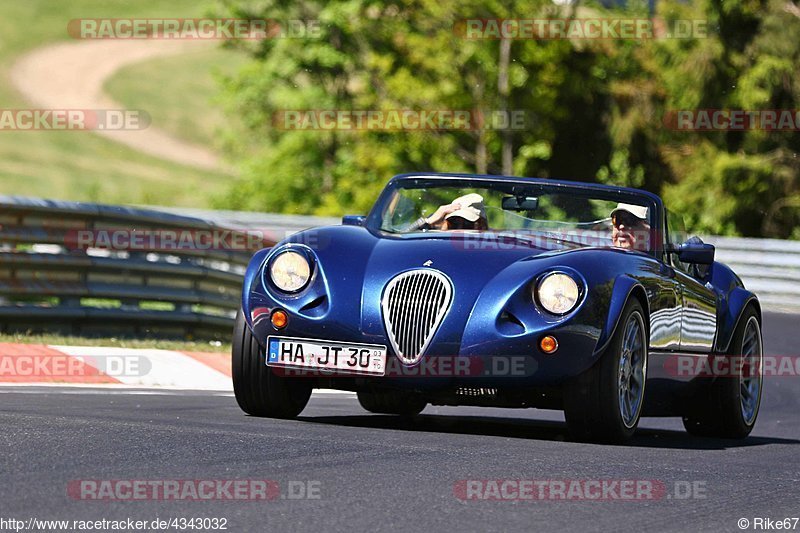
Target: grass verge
(178,91)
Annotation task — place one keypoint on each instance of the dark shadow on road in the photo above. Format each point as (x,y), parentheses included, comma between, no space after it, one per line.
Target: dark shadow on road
(534,430)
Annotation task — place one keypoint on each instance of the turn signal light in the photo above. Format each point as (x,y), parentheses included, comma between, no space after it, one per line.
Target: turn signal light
(279,319)
(548,344)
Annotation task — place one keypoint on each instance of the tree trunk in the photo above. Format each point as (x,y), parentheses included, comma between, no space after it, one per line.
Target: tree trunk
(503,91)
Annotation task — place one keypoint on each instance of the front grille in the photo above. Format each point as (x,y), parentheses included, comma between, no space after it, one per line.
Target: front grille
(414,305)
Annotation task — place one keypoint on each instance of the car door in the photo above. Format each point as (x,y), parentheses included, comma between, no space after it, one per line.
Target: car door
(666,308)
(699,301)
(699,315)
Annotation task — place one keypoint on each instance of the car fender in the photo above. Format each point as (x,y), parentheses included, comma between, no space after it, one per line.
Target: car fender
(733,298)
(251,276)
(624,288)
(738,300)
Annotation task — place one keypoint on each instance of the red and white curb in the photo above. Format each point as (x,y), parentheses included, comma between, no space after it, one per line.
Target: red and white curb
(40,364)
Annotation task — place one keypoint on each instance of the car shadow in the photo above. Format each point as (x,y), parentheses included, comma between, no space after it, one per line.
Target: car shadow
(527,429)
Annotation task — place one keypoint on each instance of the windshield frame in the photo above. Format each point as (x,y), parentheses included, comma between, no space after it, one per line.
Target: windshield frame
(601,192)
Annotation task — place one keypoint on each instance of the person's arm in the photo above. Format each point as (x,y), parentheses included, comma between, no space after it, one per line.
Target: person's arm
(431,222)
(420,224)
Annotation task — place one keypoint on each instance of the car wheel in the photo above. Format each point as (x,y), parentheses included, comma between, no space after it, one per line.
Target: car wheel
(728,407)
(258,391)
(391,402)
(604,403)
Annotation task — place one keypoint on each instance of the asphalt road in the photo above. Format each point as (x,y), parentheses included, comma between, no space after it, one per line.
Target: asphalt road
(370,472)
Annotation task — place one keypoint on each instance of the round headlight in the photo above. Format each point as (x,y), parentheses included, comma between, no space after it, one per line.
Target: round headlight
(290,271)
(558,293)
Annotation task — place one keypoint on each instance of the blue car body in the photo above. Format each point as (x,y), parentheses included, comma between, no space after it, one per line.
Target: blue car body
(493,314)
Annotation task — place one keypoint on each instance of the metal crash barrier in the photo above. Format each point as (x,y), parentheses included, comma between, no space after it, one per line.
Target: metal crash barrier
(90,269)
(768,267)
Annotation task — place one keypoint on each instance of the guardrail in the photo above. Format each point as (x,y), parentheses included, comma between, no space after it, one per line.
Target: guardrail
(768,267)
(60,270)
(57,273)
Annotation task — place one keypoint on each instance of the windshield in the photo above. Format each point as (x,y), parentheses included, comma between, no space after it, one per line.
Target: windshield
(571,217)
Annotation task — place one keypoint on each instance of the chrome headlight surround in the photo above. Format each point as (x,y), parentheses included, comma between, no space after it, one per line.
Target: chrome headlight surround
(557,292)
(290,270)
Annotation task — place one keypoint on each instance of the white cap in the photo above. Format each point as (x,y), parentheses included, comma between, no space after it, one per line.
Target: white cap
(636,210)
(470,207)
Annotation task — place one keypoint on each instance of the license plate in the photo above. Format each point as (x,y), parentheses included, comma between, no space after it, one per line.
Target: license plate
(349,358)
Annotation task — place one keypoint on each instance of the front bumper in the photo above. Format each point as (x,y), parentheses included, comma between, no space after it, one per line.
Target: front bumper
(493,361)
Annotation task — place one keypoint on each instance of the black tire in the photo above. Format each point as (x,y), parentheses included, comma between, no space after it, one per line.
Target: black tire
(719,409)
(592,400)
(391,402)
(258,391)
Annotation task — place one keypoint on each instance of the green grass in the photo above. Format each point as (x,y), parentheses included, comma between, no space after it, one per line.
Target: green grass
(178,91)
(77,165)
(114,342)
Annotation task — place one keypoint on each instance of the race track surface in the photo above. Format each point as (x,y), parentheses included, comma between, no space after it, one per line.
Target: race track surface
(375,472)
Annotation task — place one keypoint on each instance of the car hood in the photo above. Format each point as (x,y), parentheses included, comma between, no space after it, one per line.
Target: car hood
(468,259)
(357,264)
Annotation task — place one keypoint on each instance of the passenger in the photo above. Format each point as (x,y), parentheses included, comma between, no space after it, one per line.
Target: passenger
(465,212)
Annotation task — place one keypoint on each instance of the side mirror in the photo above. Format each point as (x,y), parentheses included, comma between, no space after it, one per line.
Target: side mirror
(696,253)
(353,220)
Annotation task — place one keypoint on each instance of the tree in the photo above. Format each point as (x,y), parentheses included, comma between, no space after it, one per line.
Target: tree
(595,109)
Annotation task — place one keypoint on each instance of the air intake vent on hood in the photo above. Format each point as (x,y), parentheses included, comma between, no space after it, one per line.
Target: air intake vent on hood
(414,304)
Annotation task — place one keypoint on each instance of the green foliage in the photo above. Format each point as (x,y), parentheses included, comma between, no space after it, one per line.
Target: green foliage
(742,183)
(619,171)
(735,188)
(595,109)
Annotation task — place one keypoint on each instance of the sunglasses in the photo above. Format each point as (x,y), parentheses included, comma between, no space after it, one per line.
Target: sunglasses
(623,217)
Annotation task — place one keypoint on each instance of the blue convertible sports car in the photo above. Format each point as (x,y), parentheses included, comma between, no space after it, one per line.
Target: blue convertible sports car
(509,292)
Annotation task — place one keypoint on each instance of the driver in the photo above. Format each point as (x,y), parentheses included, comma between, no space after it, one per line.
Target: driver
(630,229)
(465,212)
